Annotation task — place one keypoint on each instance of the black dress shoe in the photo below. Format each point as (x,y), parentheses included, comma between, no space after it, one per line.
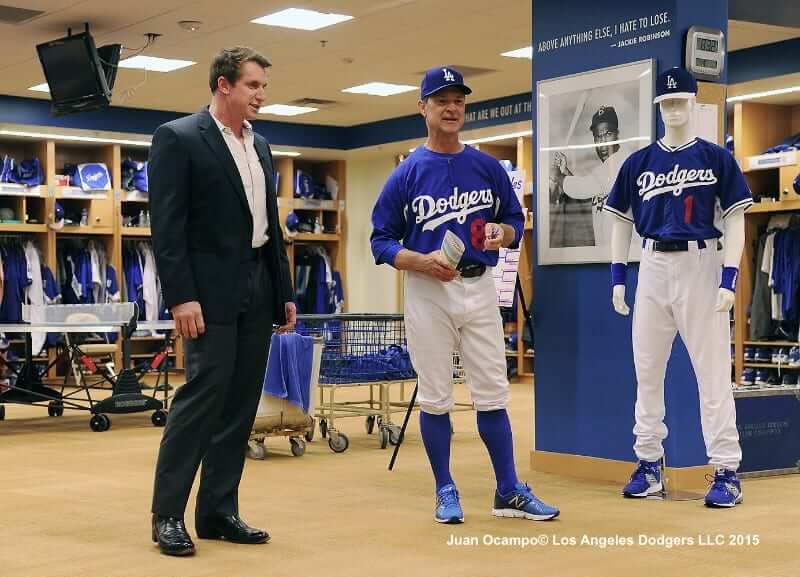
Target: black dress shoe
(171,535)
(230,528)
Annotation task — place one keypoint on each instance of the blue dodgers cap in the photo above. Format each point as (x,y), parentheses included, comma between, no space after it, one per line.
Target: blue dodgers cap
(439,78)
(675,83)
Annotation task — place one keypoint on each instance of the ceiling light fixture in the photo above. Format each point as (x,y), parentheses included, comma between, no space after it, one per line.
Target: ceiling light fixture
(190,25)
(526,52)
(380,89)
(286,110)
(74,138)
(154,63)
(292,153)
(499,137)
(301,19)
(40,88)
(486,139)
(754,95)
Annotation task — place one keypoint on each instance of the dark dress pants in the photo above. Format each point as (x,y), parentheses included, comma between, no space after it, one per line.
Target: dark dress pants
(212,414)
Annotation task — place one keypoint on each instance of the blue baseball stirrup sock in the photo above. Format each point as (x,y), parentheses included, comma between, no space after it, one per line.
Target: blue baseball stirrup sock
(495,430)
(435,431)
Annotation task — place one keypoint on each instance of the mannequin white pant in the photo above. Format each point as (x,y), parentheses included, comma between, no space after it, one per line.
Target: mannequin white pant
(677,293)
(442,317)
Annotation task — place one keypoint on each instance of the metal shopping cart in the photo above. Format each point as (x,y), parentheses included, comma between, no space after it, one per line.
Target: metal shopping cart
(367,351)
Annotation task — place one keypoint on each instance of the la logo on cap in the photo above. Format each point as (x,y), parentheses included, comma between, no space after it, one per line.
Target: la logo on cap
(448,76)
(671,84)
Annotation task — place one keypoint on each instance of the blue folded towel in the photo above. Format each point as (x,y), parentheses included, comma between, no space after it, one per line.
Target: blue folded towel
(288,373)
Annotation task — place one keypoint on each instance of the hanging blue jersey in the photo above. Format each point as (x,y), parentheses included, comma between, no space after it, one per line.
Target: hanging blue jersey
(431,193)
(15,271)
(679,193)
(134,280)
(112,288)
(51,291)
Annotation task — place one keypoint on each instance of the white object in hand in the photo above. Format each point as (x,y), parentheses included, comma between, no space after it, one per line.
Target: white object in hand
(452,248)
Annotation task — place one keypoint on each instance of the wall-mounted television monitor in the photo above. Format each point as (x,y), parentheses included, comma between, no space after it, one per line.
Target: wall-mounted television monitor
(75,74)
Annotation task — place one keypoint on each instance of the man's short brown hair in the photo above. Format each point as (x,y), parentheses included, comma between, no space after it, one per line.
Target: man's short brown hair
(228,63)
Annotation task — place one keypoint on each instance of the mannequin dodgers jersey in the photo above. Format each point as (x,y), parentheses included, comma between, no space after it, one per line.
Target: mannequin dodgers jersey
(677,193)
(430,193)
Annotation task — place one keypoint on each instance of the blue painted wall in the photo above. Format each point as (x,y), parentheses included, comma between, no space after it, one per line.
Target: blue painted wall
(493,112)
(585,383)
(764,61)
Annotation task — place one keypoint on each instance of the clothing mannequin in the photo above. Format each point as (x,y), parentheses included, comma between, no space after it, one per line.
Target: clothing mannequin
(671,190)
(677,115)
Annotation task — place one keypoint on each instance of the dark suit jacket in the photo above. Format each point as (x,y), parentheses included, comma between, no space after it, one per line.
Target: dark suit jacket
(201,223)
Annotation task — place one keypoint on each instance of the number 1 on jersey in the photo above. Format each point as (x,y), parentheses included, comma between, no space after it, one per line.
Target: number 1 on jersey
(688,204)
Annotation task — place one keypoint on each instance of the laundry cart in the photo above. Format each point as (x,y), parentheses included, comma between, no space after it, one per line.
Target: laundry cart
(365,372)
(282,410)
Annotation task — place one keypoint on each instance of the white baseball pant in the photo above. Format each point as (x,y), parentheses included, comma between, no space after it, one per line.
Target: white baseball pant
(677,293)
(442,317)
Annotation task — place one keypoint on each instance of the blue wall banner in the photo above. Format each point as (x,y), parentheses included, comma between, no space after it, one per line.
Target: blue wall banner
(769,431)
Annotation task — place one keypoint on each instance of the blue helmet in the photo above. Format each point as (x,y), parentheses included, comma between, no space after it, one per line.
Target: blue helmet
(292,222)
(58,217)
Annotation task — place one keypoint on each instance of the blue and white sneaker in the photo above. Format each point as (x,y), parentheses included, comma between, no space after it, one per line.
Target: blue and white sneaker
(749,354)
(645,481)
(522,504)
(794,357)
(762,377)
(763,355)
(725,491)
(748,377)
(448,507)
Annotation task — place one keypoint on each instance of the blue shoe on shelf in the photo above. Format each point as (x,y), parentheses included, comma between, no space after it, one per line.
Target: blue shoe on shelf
(762,377)
(763,355)
(725,491)
(748,377)
(448,507)
(523,504)
(645,481)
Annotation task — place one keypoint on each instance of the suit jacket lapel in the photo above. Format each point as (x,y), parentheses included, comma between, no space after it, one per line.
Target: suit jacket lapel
(213,137)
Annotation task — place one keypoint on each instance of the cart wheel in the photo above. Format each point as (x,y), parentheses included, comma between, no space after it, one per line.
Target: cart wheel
(370,424)
(394,434)
(298,446)
(309,434)
(99,423)
(323,428)
(55,408)
(338,442)
(2,412)
(383,435)
(159,418)
(256,450)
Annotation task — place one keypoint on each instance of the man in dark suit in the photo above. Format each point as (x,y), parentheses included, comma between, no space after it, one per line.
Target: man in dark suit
(225,277)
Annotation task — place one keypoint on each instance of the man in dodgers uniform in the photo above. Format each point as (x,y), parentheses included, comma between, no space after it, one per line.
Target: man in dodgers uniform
(446,189)
(672,190)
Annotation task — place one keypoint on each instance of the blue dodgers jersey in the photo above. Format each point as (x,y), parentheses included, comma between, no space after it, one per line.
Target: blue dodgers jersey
(677,194)
(431,193)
